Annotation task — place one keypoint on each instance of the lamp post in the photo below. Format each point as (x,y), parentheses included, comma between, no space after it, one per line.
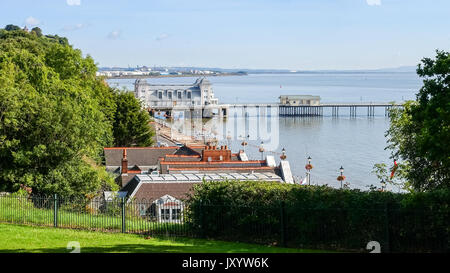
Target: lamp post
(283,154)
(309,167)
(245,143)
(261,150)
(342,177)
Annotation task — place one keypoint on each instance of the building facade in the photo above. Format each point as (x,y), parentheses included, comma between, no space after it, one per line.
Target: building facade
(168,96)
(299,100)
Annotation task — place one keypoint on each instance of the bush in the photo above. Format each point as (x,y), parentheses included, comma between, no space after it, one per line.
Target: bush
(320,216)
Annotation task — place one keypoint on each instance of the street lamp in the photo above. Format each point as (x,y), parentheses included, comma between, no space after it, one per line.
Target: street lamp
(245,143)
(341,177)
(308,168)
(383,185)
(283,154)
(261,150)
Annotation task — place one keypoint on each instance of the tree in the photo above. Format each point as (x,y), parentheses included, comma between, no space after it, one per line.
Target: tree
(37,31)
(419,134)
(12,28)
(131,122)
(55,117)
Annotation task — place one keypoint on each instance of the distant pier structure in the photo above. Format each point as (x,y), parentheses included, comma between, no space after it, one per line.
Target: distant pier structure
(198,100)
(308,105)
(336,109)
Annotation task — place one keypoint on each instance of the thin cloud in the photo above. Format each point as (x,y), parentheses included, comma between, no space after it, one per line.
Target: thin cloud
(73,2)
(162,37)
(31,21)
(373,2)
(113,35)
(74,27)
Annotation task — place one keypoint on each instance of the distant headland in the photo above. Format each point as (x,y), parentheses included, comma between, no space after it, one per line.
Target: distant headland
(162,72)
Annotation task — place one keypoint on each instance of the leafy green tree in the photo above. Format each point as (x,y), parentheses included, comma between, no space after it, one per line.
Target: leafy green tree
(419,134)
(12,28)
(131,122)
(55,117)
(37,31)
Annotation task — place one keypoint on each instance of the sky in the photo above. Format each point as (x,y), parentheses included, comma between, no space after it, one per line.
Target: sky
(253,34)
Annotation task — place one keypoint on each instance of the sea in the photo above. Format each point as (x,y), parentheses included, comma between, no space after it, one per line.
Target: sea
(354,143)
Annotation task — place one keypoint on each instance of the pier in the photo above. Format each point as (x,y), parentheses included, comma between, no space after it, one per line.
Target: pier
(318,110)
(368,108)
(335,109)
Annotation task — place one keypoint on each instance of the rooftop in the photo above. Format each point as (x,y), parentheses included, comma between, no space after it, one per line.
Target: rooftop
(199,177)
(299,97)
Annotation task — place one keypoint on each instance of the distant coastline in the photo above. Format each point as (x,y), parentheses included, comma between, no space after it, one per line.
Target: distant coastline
(175,75)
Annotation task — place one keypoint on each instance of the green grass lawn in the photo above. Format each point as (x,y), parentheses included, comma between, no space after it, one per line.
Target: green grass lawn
(20,238)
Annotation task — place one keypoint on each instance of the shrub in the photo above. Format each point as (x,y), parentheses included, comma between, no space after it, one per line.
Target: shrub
(320,216)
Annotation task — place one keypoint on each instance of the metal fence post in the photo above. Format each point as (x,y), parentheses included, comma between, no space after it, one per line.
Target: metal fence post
(123,215)
(387,215)
(282,224)
(202,226)
(55,210)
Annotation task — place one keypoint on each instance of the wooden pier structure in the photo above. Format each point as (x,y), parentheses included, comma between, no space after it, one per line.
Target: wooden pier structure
(318,110)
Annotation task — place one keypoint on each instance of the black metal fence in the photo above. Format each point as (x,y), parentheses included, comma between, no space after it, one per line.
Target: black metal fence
(283,225)
(111,215)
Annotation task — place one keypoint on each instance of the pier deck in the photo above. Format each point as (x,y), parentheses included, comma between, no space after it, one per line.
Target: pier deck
(317,110)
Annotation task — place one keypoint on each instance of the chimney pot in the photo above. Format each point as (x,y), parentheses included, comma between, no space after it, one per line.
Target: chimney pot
(124,162)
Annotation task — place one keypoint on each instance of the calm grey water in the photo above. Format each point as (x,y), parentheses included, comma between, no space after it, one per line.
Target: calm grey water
(355,143)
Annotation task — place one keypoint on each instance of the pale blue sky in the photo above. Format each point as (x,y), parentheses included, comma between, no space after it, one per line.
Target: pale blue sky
(279,34)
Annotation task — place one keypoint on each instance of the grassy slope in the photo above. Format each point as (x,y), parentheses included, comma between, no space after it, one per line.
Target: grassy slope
(18,238)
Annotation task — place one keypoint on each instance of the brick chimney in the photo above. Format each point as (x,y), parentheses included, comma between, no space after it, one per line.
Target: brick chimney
(124,162)
(222,154)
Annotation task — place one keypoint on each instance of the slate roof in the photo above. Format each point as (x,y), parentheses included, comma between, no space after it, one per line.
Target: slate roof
(137,156)
(149,192)
(152,187)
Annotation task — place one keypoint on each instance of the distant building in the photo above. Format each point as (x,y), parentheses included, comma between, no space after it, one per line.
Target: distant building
(163,96)
(299,100)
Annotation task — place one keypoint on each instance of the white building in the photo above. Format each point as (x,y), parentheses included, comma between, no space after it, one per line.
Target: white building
(163,96)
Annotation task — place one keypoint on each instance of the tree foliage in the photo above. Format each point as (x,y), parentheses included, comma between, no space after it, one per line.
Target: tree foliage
(312,216)
(11,27)
(131,122)
(55,116)
(37,31)
(419,133)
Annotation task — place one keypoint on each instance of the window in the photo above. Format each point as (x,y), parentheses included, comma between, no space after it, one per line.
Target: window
(176,214)
(189,95)
(169,94)
(165,214)
(159,95)
(179,95)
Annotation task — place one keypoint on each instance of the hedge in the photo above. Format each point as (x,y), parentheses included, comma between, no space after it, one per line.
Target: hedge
(320,216)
